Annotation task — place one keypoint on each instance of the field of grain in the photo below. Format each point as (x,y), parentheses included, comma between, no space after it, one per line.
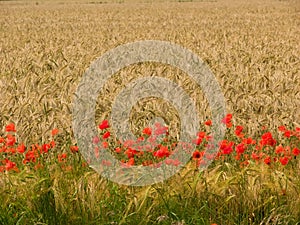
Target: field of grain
(252,48)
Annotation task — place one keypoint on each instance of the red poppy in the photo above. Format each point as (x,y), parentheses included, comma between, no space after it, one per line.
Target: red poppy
(147,131)
(118,150)
(106,135)
(208,123)
(130,162)
(197,154)
(197,141)
(10,128)
(9,165)
(227,120)
(240,148)
(130,152)
(296,151)
(103,125)
(201,134)
(52,143)
(249,141)
(284,160)
(11,150)
(10,140)
(140,139)
(282,128)
(226,147)
(267,139)
(105,144)
(147,163)
(162,152)
(45,148)
(238,131)
(30,156)
(256,156)
(244,163)
(54,132)
(21,148)
(267,160)
(62,157)
(74,148)
(279,149)
(287,133)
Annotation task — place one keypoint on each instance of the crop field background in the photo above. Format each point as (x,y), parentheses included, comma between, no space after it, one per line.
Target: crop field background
(252,48)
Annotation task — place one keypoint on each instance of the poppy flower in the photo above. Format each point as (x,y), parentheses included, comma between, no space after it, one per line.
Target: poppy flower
(201,134)
(227,120)
(197,141)
(162,152)
(267,160)
(52,143)
(74,148)
(10,140)
(267,139)
(54,132)
(244,163)
(296,151)
(147,163)
(282,128)
(256,156)
(62,157)
(9,165)
(118,150)
(197,154)
(130,162)
(240,148)
(45,148)
(106,135)
(287,133)
(238,131)
(30,156)
(284,160)
(208,123)
(21,148)
(226,147)
(130,152)
(147,131)
(10,128)
(279,149)
(103,125)
(105,144)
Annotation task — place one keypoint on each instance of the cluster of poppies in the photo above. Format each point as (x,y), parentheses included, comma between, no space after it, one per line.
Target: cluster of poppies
(155,146)
(14,154)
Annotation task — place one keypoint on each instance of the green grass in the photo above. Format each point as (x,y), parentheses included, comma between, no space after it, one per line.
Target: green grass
(69,192)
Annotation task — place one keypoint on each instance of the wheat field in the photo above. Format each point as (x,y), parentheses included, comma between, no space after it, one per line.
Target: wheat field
(252,48)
